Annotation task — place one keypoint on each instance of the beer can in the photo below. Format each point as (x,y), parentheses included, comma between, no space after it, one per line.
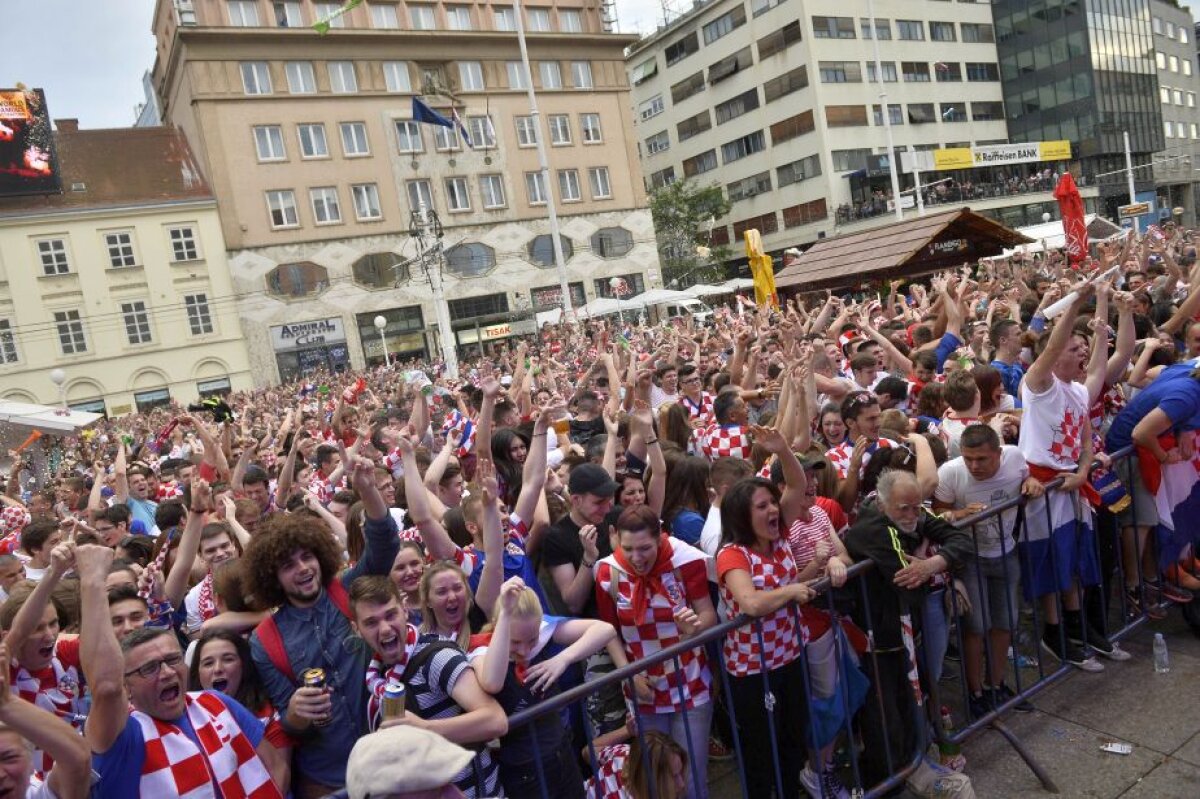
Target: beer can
(393,700)
(313,678)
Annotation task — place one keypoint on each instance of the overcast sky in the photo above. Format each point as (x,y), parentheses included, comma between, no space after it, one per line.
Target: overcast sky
(89,55)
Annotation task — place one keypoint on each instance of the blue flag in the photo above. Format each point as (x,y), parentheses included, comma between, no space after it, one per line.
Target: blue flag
(426,115)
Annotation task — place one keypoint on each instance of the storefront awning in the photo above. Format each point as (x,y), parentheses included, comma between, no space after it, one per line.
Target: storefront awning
(643,71)
(904,249)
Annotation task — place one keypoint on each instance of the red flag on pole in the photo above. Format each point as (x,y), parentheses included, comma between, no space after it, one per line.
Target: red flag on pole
(1070,207)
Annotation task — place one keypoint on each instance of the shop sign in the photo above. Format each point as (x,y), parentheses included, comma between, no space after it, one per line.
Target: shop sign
(307,334)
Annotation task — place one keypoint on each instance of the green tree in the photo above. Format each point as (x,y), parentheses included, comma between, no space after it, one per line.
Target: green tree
(682,213)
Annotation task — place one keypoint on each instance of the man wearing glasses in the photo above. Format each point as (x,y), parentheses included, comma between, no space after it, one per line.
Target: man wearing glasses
(695,400)
(171,742)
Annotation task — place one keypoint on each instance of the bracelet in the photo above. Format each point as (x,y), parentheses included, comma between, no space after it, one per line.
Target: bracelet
(198,510)
(539,435)
(650,441)
(587,565)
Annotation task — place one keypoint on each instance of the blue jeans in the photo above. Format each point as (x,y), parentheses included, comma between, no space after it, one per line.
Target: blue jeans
(935,632)
(678,726)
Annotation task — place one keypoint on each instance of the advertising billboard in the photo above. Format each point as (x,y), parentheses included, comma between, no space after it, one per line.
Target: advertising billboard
(28,161)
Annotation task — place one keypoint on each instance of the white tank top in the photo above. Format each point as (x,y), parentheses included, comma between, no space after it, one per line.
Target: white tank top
(1052,426)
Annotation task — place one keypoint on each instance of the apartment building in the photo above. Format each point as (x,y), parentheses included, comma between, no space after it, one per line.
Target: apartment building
(1178,85)
(778,102)
(120,281)
(311,148)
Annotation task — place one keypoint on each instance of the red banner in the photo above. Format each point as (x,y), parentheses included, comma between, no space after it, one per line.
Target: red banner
(1070,207)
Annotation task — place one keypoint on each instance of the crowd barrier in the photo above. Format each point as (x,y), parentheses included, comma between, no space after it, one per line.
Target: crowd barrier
(919,702)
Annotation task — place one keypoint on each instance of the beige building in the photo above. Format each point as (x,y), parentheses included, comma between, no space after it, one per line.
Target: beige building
(309,144)
(120,281)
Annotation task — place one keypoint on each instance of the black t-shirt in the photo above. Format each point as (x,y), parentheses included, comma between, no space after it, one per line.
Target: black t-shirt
(582,431)
(560,547)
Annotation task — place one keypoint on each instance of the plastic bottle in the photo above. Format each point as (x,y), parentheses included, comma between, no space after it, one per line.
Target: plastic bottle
(1162,663)
(948,751)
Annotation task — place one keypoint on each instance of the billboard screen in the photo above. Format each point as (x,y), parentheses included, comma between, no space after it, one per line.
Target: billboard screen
(28,162)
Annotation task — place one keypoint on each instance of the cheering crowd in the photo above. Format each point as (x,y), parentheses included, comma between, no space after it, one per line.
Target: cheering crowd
(354,581)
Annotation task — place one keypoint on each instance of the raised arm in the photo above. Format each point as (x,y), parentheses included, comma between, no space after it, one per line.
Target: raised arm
(27,619)
(99,652)
(493,539)
(437,540)
(493,669)
(1040,376)
(121,473)
(791,504)
(176,584)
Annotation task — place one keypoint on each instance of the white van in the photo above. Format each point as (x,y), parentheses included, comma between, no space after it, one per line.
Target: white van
(685,308)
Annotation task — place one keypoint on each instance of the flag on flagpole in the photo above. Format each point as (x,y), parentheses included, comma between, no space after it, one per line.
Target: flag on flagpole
(462,129)
(322,26)
(427,116)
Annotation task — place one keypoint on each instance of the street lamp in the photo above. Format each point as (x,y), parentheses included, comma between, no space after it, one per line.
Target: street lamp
(59,378)
(381,325)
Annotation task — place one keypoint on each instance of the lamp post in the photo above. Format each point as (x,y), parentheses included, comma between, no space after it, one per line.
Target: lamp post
(423,225)
(381,325)
(59,378)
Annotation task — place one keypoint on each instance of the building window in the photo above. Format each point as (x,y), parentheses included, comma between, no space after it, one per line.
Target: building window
(1183,37)
(560,129)
(694,125)
(953,112)
(1178,93)
(366,202)
(268,143)
(568,185)
(282,205)
(910,30)
(1164,95)
(470,259)
(651,108)
(915,71)
(1191,99)
(766,223)
(298,279)
(504,19)
(470,76)
(538,20)
(699,164)
(1169,129)
(948,72)
(663,177)
(551,296)
(517,75)
(137,322)
(895,114)
(491,187)
(736,106)
(243,13)
(300,77)
(749,187)
(445,139)
(326,10)
(841,72)
(985,112)
(833,27)
(779,41)
(1160,60)
(724,24)
(326,208)
(792,127)
(526,132)
(458,198)
(845,116)
(791,81)
(120,249)
(535,186)
(312,140)
(612,242)
(1156,25)
(408,137)
(183,244)
(1187,67)
(422,17)
(805,213)
(658,143)
(983,72)
(643,71)
(53,254)
(634,285)
(483,132)
(601,186)
(354,139)
(681,49)
(420,195)
(590,125)
(550,74)
(541,250)
(882,26)
(889,71)
(198,314)
(942,32)
(797,171)
(396,76)
(743,146)
(70,332)
(485,305)
(458,18)
(256,77)
(581,74)
(342,79)
(977,32)
(383,16)
(921,113)
(693,84)
(287,14)
(570,20)
(8,343)
(1173,63)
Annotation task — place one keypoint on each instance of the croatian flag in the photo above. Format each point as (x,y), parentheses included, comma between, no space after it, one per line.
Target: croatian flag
(1177,499)
(456,419)
(462,129)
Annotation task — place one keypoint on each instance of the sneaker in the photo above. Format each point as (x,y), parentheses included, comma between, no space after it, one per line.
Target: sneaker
(810,782)
(1003,693)
(831,786)
(1095,639)
(1171,592)
(717,750)
(1071,653)
(979,706)
(1135,607)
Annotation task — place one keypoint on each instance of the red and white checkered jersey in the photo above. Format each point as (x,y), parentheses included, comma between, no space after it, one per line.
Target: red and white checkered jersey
(608,782)
(780,638)
(726,441)
(462,558)
(321,488)
(804,535)
(686,583)
(701,411)
(168,490)
(841,454)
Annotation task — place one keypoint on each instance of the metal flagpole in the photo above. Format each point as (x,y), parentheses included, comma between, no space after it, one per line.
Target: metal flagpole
(544,163)
(893,166)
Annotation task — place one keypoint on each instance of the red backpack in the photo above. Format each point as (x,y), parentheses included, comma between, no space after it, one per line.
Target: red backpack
(272,641)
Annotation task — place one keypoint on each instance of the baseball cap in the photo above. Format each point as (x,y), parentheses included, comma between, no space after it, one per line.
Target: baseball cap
(812,462)
(590,478)
(402,759)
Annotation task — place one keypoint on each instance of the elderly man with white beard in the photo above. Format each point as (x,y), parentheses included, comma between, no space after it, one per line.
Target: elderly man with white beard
(889,533)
